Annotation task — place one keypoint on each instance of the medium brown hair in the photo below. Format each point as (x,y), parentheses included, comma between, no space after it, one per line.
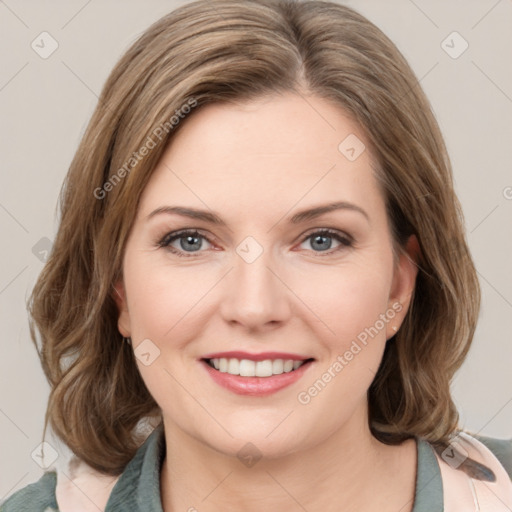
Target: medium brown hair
(231,51)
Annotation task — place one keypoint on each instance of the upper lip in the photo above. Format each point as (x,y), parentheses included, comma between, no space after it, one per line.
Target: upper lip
(262,356)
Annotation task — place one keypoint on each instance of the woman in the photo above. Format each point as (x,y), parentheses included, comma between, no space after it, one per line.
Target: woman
(261,255)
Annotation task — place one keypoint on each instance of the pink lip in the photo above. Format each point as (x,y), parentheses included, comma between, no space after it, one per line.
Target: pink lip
(256,386)
(256,357)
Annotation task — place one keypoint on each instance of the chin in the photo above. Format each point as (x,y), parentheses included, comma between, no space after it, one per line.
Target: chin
(256,445)
(269,434)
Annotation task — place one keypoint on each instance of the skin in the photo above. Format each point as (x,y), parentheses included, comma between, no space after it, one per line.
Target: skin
(256,164)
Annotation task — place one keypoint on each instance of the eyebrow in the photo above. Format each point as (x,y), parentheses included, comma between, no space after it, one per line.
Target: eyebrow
(297,218)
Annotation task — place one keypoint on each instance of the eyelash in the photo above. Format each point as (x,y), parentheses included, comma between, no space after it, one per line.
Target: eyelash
(345,240)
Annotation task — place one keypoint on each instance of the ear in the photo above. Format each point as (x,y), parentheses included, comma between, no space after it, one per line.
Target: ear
(403,284)
(123,320)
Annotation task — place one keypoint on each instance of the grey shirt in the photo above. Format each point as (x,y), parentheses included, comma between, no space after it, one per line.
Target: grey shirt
(138,487)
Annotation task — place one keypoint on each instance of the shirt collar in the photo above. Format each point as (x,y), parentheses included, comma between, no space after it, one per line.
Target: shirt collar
(138,488)
(429,485)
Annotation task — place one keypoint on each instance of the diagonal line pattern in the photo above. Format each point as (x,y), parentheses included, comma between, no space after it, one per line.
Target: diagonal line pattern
(271,228)
(488,215)
(280,423)
(203,296)
(485,15)
(90,89)
(14,218)
(14,76)
(10,490)
(418,81)
(506,507)
(424,14)
(321,178)
(79,79)
(13,279)
(286,491)
(496,414)
(166,165)
(492,81)
(198,402)
(305,194)
(217,486)
(13,13)
(76,14)
(85,494)
(495,289)
(301,301)
(13,423)
(419,490)
(304,98)
(480,430)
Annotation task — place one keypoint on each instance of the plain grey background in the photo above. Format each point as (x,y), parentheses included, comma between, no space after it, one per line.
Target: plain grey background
(45,104)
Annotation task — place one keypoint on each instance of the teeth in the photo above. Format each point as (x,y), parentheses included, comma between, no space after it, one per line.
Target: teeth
(234,366)
(288,365)
(277,366)
(248,368)
(223,365)
(264,368)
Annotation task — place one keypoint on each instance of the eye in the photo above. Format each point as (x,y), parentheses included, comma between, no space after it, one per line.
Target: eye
(322,240)
(189,241)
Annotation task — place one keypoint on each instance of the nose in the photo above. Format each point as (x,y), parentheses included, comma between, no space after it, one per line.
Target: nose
(254,294)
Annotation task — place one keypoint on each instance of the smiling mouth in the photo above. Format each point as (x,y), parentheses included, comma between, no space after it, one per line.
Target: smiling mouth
(249,368)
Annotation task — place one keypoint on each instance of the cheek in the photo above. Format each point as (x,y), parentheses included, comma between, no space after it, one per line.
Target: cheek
(163,299)
(354,305)
(347,300)
(332,306)
(168,303)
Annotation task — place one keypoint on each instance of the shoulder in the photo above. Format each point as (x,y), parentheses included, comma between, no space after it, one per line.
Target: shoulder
(79,487)
(36,497)
(472,473)
(501,448)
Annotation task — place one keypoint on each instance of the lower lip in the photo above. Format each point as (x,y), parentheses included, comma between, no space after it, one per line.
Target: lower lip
(256,386)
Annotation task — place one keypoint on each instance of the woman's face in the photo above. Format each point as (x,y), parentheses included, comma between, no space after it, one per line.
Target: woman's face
(255,281)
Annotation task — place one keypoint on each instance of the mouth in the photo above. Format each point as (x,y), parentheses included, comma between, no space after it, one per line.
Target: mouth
(255,374)
(250,368)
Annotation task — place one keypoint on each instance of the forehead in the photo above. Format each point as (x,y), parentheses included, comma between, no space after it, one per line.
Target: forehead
(264,156)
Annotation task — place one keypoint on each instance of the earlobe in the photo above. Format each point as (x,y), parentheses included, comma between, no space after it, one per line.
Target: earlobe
(123,321)
(404,283)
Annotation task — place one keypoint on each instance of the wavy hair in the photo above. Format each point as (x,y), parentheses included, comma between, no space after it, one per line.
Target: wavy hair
(217,51)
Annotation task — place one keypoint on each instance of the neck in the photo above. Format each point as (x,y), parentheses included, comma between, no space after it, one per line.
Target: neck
(341,469)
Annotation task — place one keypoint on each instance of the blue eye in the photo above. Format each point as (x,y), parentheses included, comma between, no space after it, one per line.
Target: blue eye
(187,240)
(320,240)
(191,241)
